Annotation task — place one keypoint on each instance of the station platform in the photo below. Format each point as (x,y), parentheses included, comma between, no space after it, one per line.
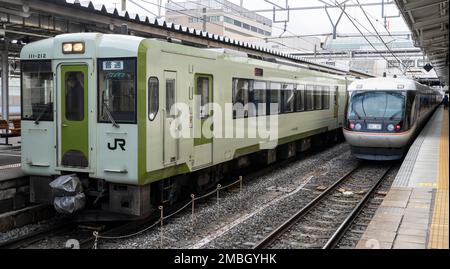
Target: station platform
(10,160)
(414,213)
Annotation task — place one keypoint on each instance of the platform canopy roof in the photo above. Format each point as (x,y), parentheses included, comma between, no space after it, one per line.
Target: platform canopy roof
(428,22)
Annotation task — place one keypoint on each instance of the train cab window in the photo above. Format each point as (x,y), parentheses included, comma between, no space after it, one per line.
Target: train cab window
(326,97)
(259,97)
(309,97)
(117,90)
(300,98)
(74,100)
(274,98)
(377,104)
(288,98)
(37,91)
(318,97)
(241,89)
(153,97)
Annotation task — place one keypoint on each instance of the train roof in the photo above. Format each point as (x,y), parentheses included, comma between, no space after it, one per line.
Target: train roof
(98,45)
(388,84)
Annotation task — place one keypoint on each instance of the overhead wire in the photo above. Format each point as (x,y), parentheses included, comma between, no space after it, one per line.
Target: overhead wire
(380,37)
(353,20)
(133,2)
(373,17)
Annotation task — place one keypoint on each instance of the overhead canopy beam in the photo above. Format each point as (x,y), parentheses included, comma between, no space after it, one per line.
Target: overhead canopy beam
(431,22)
(421,4)
(434,33)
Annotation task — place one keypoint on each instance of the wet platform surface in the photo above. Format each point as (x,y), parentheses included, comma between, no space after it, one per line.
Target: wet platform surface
(414,213)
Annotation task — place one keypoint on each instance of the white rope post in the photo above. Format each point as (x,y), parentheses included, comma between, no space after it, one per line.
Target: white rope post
(240,191)
(240,184)
(161,209)
(193,208)
(218,189)
(95,233)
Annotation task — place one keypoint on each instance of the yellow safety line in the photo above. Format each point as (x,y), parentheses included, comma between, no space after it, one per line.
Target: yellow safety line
(439,227)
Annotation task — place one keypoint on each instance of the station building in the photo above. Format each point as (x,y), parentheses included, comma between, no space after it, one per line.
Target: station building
(219,17)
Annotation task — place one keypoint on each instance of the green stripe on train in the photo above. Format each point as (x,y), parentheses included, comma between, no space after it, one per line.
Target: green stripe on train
(142,112)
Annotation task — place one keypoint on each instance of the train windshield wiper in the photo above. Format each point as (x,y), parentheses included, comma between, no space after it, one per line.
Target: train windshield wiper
(38,118)
(393,116)
(108,113)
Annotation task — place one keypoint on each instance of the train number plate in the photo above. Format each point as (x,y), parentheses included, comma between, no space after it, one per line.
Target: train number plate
(374,126)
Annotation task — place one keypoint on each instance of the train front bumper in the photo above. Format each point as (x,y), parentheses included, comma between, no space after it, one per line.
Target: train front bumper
(378,140)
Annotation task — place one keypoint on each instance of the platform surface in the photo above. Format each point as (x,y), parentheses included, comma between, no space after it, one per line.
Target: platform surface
(10,162)
(414,213)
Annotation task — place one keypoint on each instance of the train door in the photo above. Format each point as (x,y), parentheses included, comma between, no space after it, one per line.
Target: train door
(203,127)
(73,104)
(171,141)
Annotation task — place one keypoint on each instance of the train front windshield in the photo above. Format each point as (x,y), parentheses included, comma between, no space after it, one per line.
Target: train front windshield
(377,105)
(37,90)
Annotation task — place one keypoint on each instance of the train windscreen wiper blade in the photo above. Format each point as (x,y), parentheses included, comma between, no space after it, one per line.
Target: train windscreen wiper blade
(38,118)
(108,113)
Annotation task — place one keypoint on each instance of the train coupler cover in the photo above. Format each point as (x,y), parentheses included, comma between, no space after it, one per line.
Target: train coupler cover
(68,196)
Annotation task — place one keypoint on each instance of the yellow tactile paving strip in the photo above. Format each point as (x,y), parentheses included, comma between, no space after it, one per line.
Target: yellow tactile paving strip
(438,238)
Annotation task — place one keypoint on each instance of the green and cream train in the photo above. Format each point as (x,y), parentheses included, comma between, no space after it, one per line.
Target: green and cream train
(97,110)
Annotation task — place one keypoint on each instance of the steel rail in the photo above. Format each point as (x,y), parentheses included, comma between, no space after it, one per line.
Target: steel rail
(31,238)
(338,234)
(275,234)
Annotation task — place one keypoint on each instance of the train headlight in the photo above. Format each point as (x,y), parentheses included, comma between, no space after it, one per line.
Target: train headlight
(391,127)
(358,126)
(73,47)
(67,47)
(78,47)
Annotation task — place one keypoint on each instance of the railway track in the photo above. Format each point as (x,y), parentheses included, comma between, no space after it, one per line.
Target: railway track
(33,237)
(324,220)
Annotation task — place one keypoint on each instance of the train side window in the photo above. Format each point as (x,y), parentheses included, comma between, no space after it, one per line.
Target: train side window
(336,95)
(259,97)
(170,95)
(318,97)
(288,98)
(300,98)
(326,97)
(240,97)
(274,99)
(204,90)
(153,97)
(309,97)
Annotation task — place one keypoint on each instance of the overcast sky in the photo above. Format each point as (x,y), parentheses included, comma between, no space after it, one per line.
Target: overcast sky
(302,22)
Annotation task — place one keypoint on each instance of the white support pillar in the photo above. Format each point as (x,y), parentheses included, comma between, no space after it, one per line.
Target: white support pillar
(5,86)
